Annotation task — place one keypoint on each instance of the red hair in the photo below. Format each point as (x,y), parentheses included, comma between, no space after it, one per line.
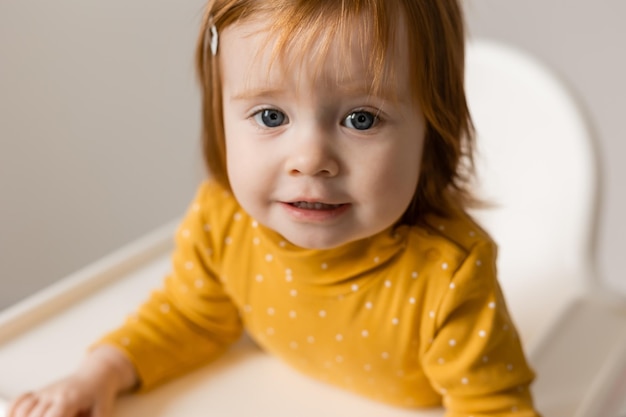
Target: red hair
(436,42)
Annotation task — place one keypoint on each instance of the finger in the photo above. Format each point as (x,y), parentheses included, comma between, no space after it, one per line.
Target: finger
(41,407)
(22,405)
(102,408)
(59,410)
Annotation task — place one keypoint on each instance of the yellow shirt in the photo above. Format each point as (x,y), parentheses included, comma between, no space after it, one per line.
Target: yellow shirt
(412,316)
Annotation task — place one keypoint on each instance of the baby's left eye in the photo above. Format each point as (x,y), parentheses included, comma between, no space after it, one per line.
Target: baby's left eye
(360,120)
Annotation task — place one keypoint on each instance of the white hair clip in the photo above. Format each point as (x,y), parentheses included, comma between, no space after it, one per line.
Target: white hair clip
(214,38)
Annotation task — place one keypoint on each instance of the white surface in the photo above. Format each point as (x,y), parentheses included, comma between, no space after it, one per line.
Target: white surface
(582,364)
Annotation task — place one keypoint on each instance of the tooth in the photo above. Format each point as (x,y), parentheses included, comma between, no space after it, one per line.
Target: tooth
(314,206)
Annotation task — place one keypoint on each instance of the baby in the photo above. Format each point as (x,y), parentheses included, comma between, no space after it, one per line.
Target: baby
(333,224)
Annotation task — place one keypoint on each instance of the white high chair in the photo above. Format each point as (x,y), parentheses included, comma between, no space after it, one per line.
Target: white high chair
(536,167)
(536,164)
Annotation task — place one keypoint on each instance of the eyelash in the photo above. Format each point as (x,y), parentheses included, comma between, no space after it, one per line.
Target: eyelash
(259,113)
(375,116)
(376,120)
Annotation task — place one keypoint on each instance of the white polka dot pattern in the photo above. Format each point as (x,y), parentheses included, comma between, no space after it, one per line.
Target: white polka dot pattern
(377,319)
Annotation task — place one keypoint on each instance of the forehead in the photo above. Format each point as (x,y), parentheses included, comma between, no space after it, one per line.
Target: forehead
(351,51)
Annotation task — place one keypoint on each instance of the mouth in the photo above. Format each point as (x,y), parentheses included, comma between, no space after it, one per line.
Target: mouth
(315,211)
(306,205)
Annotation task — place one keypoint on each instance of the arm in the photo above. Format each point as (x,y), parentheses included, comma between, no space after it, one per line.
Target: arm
(183,325)
(476,360)
(92,388)
(191,320)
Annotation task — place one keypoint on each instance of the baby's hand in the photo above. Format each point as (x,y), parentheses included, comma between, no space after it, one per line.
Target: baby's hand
(70,397)
(90,391)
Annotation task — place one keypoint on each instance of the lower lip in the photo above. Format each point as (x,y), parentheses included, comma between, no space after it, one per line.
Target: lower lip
(316,216)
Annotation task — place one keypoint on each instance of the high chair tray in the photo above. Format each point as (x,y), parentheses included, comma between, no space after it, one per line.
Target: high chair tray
(45,337)
(580,362)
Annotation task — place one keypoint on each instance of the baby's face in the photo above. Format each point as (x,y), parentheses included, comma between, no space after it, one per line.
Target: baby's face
(311,153)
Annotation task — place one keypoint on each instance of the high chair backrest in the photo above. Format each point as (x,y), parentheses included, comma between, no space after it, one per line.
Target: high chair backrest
(537,172)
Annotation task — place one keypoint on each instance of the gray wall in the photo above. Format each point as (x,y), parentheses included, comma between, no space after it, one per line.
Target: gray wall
(99,119)
(98,130)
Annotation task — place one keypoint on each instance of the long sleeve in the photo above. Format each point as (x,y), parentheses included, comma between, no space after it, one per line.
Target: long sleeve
(188,322)
(476,360)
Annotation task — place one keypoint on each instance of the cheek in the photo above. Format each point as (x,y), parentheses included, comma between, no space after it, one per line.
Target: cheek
(398,171)
(238,153)
(242,166)
(401,182)
(238,164)
(387,187)
(249,171)
(242,178)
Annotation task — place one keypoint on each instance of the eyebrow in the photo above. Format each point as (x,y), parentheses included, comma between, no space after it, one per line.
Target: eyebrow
(251,93)
(350,89)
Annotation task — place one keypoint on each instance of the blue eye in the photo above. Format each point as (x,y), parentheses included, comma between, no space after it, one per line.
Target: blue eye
(360,120)
(270,118)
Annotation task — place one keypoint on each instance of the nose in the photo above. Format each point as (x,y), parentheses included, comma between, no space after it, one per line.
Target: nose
(311,154)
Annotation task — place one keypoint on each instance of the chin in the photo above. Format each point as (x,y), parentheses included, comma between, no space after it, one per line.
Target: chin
(311,241)
(317,246)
